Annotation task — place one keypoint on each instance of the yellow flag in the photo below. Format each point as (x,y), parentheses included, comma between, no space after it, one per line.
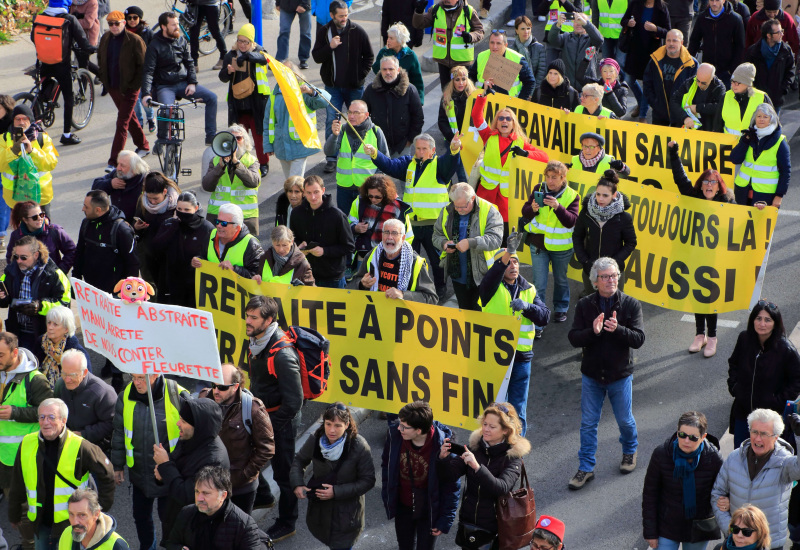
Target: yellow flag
(293,98)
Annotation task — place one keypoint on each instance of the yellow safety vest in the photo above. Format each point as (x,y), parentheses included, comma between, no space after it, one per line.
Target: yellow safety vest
(501,304)
(292,130)
(483,214)
(731,114)
(352,217)
(556,236)
(66,542)
(65,299)
(688,98)
(610,17)
(427,197)
(762,173)
(353,168)
(603,111)
(234,254)
(235,192)
(45,177)
(450,110)
(65,467)
(262,81)
(483,58)
(458,50)
(11,432)
(492,171)
(268,277)
(602,166)
(556,6)
(170,410)
(419,263)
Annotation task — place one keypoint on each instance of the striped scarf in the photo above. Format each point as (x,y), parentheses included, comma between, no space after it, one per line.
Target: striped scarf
(25,293)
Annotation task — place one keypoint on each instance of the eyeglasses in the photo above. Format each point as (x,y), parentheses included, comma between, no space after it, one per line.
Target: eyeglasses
(375,197)
(709,183)
(48,417)
(221,387)
(18,257)
(590,147)
(138,377)
(499,406)
(690,437)
(746,531)
(222,223)
(404,428)
(780,31)
(71,375)
(505,118)
(763,435)
(356,113)
(40,215)
(114,23)
(764,303)
(393,233)
(242,41)
(613,277)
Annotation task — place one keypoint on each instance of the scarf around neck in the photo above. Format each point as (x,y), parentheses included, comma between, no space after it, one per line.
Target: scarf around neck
(685,465)
(258,345)
(331,451)
(761,133)
(605,213)
(406,259)
(592,162)
(52,359)
(167,204)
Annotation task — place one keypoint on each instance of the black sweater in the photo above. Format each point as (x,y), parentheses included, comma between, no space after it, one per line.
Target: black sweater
(328,227)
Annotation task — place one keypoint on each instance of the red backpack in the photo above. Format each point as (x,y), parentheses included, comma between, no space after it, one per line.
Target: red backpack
(312,349)
(51,38)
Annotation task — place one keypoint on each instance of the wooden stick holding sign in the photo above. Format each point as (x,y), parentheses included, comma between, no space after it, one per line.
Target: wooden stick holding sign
(501,71)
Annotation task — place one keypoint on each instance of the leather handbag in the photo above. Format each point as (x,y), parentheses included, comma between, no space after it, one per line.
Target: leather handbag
(516,516)
(624,42)
(245,87)
(472,537)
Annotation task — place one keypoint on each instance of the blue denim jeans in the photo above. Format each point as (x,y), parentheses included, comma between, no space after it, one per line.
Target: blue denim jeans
(339,97)
(541,260)
(638,93)
(517,8)
(143,112)
(332,283)
(44,540)
(168,94)
(593,394)
(304,50)
(142,508)
(667,544)
(5,217)
(518,386)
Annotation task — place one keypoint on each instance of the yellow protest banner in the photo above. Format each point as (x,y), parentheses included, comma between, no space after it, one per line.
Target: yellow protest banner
(384,353)
(691,255)
(643,147)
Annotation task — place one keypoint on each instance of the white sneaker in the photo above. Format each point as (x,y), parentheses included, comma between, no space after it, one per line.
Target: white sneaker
(510,23)
(542,18)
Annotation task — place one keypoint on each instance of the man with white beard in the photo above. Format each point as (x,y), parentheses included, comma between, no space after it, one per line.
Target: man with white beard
(124,185)
(89,526)
(396,270)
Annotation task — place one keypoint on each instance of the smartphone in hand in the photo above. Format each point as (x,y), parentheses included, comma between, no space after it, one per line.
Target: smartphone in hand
(457,449)
(538,197)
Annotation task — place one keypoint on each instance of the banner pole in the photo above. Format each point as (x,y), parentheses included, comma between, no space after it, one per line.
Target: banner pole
(152,408)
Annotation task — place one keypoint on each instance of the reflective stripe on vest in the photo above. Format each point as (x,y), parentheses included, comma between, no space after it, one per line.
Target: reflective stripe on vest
(510,54)
(603,111)
(65,467)
(170,410)
(556,236)
(7,178)
(456,48)
(268,277)
(262,80)
(234,192)
(731,113)
(761,173)
(602,166)
(688,97)
(501,304)
(66,542)
(427,197)
(492,171)
(419,262)
(610,17)
(11,432)
(450,110)
(483,214)
(353,168)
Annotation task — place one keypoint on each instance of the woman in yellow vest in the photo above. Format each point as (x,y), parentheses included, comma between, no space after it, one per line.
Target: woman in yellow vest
(284,262)
(244,70)
(592,102)
(765,158)
(739,103)
(453,107)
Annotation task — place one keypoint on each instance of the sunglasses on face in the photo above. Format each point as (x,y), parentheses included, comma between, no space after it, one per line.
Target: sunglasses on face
(17,257)
(41,215)
(375,197)
(690,437)
(132,17)
(746,531)
(505,118)
(222,223)
(221,387)
(114,23)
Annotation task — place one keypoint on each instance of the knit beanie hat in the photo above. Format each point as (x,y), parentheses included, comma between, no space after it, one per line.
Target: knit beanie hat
(134,10)
(609,61)
(22,109)
(115,15)
(186,412)
(248,31)
(772,5)
(557,65)
(744,74)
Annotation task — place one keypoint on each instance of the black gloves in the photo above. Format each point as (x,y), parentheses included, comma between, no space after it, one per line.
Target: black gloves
(467,37)
(617,165)
(420,6)
(31,309)
(748,135)
(519,151)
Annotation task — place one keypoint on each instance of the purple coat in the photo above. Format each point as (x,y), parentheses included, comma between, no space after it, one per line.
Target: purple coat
(58,243)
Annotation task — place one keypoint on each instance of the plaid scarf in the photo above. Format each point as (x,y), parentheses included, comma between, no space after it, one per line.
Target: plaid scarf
(406,267)
(25,293)
(588,163)
(375,216)
(51,364)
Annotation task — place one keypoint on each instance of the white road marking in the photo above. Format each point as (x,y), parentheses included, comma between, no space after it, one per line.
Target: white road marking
(689,318)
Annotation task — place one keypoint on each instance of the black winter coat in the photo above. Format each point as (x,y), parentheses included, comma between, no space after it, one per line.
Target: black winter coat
(499,472)
(401,11)
(722,39)
(281,393)
(606,356)
(45,287)
(685,185)
(124,199)
(617,100)
(167,61)
(776,80)
(229,528)
(256,103)
(396,108)
(460,107)
(355,47)
(102,266)
(655,89)
(328,227)
(91,407)
(643,43)
(762,378)
(707,109)
(662,497)
(562,97)
(616,239)
(177,243)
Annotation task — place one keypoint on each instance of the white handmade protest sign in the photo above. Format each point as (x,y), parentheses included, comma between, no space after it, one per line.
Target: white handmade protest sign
(148,338)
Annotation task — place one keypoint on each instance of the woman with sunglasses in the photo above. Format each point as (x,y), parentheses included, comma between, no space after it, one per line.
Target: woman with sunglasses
(28,218)
(343,474)
(763,370)
(749,530)
(492,463)
(676,500)
(711,187)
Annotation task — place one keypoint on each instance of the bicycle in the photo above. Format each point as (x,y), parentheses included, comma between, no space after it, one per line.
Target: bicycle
(186,21)
(43,98)
(170,148)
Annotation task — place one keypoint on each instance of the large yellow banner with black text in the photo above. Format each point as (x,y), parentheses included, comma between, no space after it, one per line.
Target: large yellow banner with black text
(384,353)
(643,147)
(692,255)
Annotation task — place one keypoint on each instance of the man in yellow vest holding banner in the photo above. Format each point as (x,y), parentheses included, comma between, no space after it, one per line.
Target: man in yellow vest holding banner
(49,466)
(231,245)
(498,44)
(505,292)
(89,526)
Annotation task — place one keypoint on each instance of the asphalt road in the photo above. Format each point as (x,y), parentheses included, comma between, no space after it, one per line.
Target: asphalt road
(606,513)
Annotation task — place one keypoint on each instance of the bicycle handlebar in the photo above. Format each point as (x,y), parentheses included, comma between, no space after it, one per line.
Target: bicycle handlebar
(176,104)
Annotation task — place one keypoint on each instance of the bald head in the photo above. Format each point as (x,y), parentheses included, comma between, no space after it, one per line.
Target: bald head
(228,373)
(705,74)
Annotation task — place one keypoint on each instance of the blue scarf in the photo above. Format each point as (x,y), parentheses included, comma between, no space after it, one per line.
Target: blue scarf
(685,465)
(331,451)
(729,545)
(769,53)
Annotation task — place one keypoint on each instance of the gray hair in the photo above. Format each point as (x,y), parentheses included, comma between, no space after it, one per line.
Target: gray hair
(678,32)
(237,217)
(766,109)
(400,33)
(63,411)
(394,222)
(63,316)
(89,496)
(75,353)
(708,67)
(501,35)
(138,166)
(390,59)
(238,129)
(768,417)
(426,137)
(602,264)
(593,89)
(461,190)
(281,233)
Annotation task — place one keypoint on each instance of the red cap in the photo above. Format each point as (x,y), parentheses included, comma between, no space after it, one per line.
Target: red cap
(553,525)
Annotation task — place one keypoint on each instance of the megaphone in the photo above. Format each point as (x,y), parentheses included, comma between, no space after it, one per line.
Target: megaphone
(224,144)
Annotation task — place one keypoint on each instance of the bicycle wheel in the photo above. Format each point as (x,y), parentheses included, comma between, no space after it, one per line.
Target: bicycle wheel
(225,19)
(27,98)
(170,163)
(206,42)
(83,98)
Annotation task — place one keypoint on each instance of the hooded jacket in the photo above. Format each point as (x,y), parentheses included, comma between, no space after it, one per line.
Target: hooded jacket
(769,491)
(130,62)
(205,448)
(656,92)
(229,528)
(722,39)
(91,409)
(685,185)
(60,245)
(283,146)
(106,526)
(125,199)
(396,108)
(708,107)
(784,161)
(442,495)
(499,472)
(562,96)
(297,261)
(581,67)
(615,239)
(662,496)
(776,80)
(347,65)
(328,227)
(167,61)
(753,29)
(46,286)
(104,266)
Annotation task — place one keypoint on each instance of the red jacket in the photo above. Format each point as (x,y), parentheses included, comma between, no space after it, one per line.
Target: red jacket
(753,31)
